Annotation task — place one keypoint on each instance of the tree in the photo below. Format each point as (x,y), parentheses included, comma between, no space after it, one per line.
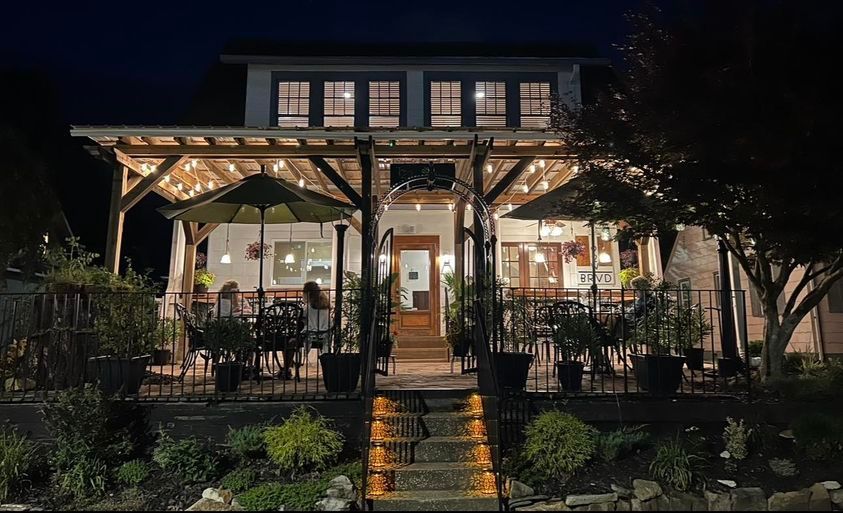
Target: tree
(731,120)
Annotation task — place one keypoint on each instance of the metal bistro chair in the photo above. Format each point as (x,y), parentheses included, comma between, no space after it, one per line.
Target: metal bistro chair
(282,330)
(607,342)
(195,337)
(541,332)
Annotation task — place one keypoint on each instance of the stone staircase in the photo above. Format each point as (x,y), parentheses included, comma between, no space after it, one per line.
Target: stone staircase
(423,457)
(420,348)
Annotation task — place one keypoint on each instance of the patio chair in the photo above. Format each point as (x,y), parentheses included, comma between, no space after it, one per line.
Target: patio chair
(541,333)
(282,330)
(602,359)
(195,337)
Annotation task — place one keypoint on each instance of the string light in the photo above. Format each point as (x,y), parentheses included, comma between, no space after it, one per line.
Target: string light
(231,168)
(190,193)
(525,187)
(541,164)
(167,179)
(451,207)
(489,168)
(509,206)
(418,207)
(197,187)
(226,257)
(153,168)
(194,163)
(275,168)
(179,186)
(210,184)
(545,184)
(532,168)
(470,208)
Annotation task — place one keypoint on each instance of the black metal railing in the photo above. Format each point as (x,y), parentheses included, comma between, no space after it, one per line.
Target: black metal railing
(50,342)
(609,333)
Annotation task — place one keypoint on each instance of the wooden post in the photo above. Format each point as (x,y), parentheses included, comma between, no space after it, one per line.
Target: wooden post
(459,239)
(189,257)
(114,238)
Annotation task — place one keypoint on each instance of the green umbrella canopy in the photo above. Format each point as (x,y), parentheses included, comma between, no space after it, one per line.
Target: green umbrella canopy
(591,197)
(238,203)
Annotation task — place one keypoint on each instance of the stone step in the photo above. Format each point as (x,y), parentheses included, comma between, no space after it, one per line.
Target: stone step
(434,500)
(438,354)
(421,342)
(446,424)
(438,476)
(444,449)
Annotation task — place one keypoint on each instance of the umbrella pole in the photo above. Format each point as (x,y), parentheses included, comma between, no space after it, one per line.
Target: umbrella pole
(260,271)
(593,266)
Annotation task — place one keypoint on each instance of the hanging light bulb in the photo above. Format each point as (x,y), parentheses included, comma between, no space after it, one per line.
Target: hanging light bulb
(231,168)
(488,168)
(275,168)
(545,184)
(290,258)
(210,184)
(495,215)
(153,168)
(280,164)
(451,207)
(525,187)
(546,230)
(532,168)
(556,231)
(386,207)
(194,163)
(604,258)
(144,168)
(179,186)
(575,169)
(190,193)
(226,258)
(469,207)
(418,207)
(167,179)
(509,206)
(605,234)
(541,164)
(197,187)
(301,183)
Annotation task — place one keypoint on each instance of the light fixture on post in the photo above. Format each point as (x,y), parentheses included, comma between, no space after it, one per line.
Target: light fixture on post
(226,257)
(290,258)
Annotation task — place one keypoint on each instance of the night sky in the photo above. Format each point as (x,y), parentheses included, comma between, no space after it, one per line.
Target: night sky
(128,63)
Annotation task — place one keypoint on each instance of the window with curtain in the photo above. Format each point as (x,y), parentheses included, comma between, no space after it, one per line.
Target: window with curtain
(293,104)
(491,103)
(531,264)
(535,104)
(339,103)
(384,103)
(446,103)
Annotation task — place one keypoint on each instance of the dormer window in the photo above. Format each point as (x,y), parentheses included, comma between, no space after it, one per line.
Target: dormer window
(293,104)
(384,103)
(535,104)
(491,103)
(339,104)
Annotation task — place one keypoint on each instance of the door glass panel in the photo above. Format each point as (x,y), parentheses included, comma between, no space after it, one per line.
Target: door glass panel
(415,279)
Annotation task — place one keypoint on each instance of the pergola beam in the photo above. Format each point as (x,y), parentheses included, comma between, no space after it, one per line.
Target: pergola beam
(148,183)
(321,164)
(508,179)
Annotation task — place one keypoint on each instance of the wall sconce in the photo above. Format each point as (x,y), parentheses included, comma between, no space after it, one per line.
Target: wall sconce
(447,267)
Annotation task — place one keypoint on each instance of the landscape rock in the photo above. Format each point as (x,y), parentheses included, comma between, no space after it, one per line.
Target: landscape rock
(517,490)
(837,498)
(547,506)
(623,493)
(789,501)
(831,485)
(679,501)
(728,483)
(209,505)
(819,499)
(725,455)
(623,505)
(717,501)
(333,504)
(787,434)
(600,506)
(218,495)
(585,500)
(645,490)
(748,499)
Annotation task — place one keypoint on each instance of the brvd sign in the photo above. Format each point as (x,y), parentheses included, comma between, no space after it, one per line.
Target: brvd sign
(602,277)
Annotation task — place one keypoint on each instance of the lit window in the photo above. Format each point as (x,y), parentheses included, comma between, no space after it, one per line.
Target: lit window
(384,103)
(339,103)
(535,104)
(293,103)
(311,262)
(535,265)
(491,103)
(445,103)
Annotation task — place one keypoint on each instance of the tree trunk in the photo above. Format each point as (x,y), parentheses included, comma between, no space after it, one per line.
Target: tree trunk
(776,338)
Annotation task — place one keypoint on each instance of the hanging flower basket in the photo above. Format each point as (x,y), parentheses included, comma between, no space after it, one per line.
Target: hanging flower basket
(253,251)
(571,250)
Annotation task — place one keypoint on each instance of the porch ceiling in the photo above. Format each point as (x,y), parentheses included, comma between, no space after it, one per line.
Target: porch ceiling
(208,157)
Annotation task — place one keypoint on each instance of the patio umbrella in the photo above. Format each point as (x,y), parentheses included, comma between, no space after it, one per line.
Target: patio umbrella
(259,199)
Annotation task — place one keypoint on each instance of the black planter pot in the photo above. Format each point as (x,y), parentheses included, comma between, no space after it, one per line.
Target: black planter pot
(694,358)
(199,288)
(228,376)
(340,371)
(512,369)
(570,375)
(161,357)
(384,349)
(118,375)
(462,348)
(728,367)
(658,374)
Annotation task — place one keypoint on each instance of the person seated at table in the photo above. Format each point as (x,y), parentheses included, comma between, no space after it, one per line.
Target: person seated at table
(317,327)
(231,303)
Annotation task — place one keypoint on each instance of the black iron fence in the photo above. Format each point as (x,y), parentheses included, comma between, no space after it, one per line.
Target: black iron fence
(176,346)
(667,341)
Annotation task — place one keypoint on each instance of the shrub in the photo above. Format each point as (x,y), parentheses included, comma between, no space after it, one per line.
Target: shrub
(133,472)
(303,442)
(189,458)
(620,443)
(86,478)
(248,441)
(674,466)
(298,496)
(737,435)
(558,444)
(755,347)
(819,435)
(85,423)
(239,480)
(18,460)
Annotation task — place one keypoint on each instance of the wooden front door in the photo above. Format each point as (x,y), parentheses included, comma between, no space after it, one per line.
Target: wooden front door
(414,259)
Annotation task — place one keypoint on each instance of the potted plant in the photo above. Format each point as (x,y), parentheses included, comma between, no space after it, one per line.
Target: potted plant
(574,337)
(458,315)
(512,366)
(688,327)
(755,349)
(341,368)
(167,333)
(202,280)
(571,250)
(230,341)
(124,323)
(658,371)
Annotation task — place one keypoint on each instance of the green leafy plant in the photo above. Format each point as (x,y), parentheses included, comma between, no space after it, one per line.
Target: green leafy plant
(670,322)
(574,335)
(190,459)
(239,480)
(248,441)
(167,333)
(305,441)
(84,479)
(736,435)
(297,496)
(783,467)
(618,444)
(133,472)
(627,275)
(229,337)
(819,435)
(71,269)
(203,276)
(18,460)
(755,347)
(88,426)
(674,466)
(352,305)
(558,444)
